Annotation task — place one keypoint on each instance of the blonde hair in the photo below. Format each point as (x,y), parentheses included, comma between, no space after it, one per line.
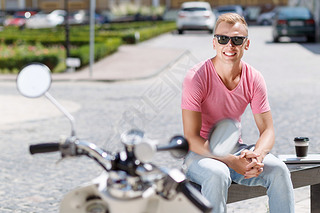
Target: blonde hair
(231,18)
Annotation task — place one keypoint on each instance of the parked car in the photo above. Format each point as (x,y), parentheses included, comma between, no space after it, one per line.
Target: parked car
(229,9)
(83,17)
(266,18)
(19,18)
(251,13)
(43,20)
(195,16)
(293,22)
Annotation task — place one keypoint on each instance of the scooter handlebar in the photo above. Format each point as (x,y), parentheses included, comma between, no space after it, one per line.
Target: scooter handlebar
(44,148)
(195,197)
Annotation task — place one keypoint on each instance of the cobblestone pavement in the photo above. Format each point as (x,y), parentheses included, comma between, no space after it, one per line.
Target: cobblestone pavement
(104,110)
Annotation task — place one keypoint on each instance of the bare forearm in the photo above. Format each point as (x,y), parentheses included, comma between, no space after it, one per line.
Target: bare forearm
(201,146)
(198,145)
(266,140)
(265,143)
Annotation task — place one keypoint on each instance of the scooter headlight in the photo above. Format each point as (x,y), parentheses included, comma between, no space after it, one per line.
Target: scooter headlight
(96,206)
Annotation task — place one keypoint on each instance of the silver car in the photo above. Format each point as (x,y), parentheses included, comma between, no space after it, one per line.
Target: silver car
(266,18)
(195,16)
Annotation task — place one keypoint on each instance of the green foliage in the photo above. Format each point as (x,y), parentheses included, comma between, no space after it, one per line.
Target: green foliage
(15,57)
(20,47)
(156,30)
(101,50)
(132,33)
(79,35)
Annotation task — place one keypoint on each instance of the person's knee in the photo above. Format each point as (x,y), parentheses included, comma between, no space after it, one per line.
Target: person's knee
(210,174)
(217,177)
(276,169)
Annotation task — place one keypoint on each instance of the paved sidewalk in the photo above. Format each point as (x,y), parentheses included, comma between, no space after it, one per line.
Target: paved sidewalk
(130,62)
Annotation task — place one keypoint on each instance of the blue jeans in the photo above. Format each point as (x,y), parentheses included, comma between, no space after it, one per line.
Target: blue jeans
(215,178)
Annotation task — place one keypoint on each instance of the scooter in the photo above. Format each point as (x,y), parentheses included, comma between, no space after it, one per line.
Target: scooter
(129,182)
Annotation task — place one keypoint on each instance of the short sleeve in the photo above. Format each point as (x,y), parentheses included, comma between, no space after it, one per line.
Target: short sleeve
(192,92)
(259,102)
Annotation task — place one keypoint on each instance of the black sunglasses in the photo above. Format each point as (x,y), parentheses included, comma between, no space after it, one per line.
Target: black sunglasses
(236,40)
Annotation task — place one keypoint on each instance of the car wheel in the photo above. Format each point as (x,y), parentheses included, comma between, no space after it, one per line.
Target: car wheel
(275,39)
(211,31)
(180,32)
(311,39)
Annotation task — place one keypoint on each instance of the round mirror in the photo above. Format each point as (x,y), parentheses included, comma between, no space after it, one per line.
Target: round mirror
(224,137)
(34,80)
(178,147)
(145,150)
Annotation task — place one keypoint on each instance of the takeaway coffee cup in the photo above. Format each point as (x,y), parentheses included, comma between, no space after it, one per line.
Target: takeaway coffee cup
(301,144)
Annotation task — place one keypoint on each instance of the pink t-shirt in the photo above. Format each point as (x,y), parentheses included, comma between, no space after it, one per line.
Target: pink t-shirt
(204,91)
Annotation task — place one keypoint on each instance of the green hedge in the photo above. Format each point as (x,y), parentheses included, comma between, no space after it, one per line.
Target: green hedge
(107,40)
(79,35)
(100,50)
(16,63)
(54,57)
(150,30)
(14,57)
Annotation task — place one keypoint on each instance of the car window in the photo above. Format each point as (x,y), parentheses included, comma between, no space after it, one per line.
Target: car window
(227,11)
(191,9)
(294,13)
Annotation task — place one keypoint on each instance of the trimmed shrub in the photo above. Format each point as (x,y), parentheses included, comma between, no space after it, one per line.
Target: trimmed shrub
(18,62)
(79,35)
(15,57)
(100,50)
(21,47)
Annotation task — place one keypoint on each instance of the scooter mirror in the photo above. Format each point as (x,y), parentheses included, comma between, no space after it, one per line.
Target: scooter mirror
(224,137)
(145,150)
(178,147)
(34,80)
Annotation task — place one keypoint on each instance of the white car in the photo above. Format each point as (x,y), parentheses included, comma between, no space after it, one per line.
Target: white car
(195,16)
(42,20)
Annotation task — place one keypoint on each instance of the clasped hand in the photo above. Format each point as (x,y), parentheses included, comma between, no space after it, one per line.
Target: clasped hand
(248,164)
